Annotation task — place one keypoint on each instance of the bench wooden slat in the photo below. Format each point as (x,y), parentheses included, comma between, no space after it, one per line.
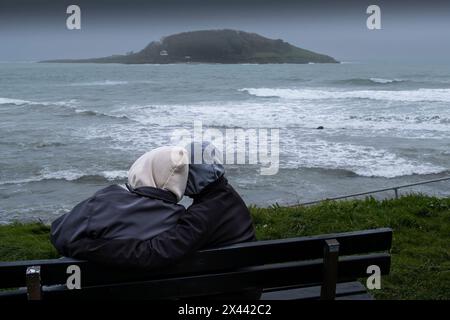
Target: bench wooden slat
(359,296)
(14,295)
(267,276)
(207,261)
(313,293)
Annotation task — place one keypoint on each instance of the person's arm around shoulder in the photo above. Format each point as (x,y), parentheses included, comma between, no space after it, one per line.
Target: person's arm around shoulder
(187,236)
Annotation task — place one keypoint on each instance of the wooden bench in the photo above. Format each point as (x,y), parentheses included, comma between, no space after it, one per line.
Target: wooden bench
(324,266)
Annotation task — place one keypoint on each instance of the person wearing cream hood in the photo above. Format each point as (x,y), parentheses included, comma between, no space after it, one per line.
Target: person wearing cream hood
(147,207)
(217,217)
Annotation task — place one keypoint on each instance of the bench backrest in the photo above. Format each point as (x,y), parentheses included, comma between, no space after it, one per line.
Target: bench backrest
(263,264)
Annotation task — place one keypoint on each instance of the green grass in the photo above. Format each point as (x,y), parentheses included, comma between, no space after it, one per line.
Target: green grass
(26,242)
(420,253)
(421,245)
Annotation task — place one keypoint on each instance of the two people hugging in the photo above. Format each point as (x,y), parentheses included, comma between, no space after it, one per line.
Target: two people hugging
(142,224)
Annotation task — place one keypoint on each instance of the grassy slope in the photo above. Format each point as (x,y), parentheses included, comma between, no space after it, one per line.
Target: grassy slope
(421,248)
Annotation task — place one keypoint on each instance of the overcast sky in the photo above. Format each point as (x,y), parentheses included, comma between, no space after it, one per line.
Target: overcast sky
(33,30)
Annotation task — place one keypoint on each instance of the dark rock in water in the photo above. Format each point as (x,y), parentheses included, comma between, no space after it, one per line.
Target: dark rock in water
(215,46)
(320,128)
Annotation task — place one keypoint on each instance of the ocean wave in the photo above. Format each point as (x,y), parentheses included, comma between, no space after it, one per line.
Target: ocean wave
(20,102)
(17,102)
(405,170)
(99,83)
(369,81)
(100,114)
(433,95)
(115,174)
(72,175)
(364,161)
(71,105)
(378,120)
(383,81)
(405,119)
(108,83)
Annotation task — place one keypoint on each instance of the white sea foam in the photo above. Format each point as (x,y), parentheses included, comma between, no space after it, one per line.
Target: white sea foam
(115,174)
(70,175)
(363,160)
(291,114)
(72,105)
(16,102)
(108,83)
(20,102)
(383,81)
(100,83)
(434,95)
(362,119)
(88,112)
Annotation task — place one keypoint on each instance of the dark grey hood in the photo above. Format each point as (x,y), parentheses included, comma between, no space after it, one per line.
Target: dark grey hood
(205,167)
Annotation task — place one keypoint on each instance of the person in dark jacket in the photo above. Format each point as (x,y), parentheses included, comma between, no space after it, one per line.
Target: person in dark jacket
(157,181)
(217,217)
(211,192)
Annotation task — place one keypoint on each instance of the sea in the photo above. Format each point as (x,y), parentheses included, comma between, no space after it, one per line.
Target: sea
(68,130)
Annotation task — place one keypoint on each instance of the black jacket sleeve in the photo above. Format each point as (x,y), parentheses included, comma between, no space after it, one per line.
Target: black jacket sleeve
(187,236)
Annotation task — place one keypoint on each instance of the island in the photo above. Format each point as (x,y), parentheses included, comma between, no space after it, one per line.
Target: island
(214,46)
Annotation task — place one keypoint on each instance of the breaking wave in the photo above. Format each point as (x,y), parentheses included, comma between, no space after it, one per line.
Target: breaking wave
(71,105)
(17,102)
(72,175)
(370,81)
(362,160)
(108,83)
(100,83)
(434,95)
(20,102)
(100,114)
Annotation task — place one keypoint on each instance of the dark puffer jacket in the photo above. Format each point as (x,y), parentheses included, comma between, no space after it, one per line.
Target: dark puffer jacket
(115,213)
(217,218)
(125,229)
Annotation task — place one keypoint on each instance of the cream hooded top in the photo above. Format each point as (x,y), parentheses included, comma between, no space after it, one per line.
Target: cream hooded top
(163,168)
